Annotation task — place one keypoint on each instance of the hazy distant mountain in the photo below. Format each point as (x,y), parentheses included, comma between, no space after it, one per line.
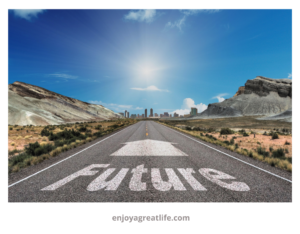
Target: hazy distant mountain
(30,104)
(260,96)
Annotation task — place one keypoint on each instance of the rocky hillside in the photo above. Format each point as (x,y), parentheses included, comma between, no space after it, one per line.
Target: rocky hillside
(261,96)
(30,104)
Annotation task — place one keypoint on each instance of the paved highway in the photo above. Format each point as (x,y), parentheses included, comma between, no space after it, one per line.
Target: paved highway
(149,162)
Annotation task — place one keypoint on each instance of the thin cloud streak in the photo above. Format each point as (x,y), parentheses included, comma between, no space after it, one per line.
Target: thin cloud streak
(141,15)
(151,88)
(63,75)
(27,14)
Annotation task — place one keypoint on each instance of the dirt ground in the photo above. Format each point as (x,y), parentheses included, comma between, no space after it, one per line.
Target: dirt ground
(246,122)
(251,143)
(21,136)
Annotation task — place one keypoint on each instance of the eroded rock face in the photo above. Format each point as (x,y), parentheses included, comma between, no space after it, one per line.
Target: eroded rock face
(262,86)
(260,96)
(240,91)
(30,104)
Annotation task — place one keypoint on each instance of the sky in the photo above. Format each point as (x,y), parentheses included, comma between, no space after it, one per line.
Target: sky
(168,60)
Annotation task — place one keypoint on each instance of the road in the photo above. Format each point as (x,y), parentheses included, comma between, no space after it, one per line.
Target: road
(149,162)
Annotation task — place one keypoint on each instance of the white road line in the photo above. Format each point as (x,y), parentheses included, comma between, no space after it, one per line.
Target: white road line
(63,159)
(231,156)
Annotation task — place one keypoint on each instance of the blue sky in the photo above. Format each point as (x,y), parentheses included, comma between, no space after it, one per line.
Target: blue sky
(168,60)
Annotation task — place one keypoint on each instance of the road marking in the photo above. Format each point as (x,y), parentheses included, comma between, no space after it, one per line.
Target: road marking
(113,184)
(136,183)
(216,178)
(161,185)
(187,174)
(64,159)
(136,180)
(148,148)
(84,172)
(231,156)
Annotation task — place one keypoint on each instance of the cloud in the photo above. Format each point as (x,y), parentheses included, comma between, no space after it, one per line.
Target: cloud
(151,88)
(180,23)
(28,14)
(141,15)
(188,103)
(220,97)
(290,76)
(116,107)
(177,24)
(63,75)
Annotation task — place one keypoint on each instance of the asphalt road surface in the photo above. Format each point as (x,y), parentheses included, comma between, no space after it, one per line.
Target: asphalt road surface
(149,162)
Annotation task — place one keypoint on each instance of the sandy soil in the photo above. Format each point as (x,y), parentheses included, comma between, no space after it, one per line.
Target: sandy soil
(251,143)
(19,137)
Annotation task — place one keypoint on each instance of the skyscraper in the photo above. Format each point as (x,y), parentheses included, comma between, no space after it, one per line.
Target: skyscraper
(145,113)
(126,114)
(194,111)
(151,112)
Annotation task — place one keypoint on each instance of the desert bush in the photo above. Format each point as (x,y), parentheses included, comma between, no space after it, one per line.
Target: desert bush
(236,146)
(286,150)
(279,153)
(226,131)
(13,144)
(82,129)
(250,154)
(35,149)
(262,151)
(211,137)
(275,136)
(27,137)
(287,143)
(10,128)
(45,132)
(98,127)
(245,134)
(270,148)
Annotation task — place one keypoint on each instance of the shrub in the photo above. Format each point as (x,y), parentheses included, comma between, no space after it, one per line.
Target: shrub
(35,149)
(236,146)
(271,148)
(211,130)
(226,131)
(10,128)
(98,127)
(279,153)
(82,129)
(250,154)
(45,132)
(287,143)
(286,151)
(245,134)
(275,136)
(201,134)
(265,133)
(231,141)
(262,151)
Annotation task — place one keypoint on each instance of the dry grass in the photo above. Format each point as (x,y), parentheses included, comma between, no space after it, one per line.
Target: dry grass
(21,139)
(246,122)
(280,163)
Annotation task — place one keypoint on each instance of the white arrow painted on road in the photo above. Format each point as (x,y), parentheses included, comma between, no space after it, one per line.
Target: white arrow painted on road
(148,148)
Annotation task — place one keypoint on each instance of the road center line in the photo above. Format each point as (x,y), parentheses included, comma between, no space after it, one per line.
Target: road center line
(230,155)
(64,159)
